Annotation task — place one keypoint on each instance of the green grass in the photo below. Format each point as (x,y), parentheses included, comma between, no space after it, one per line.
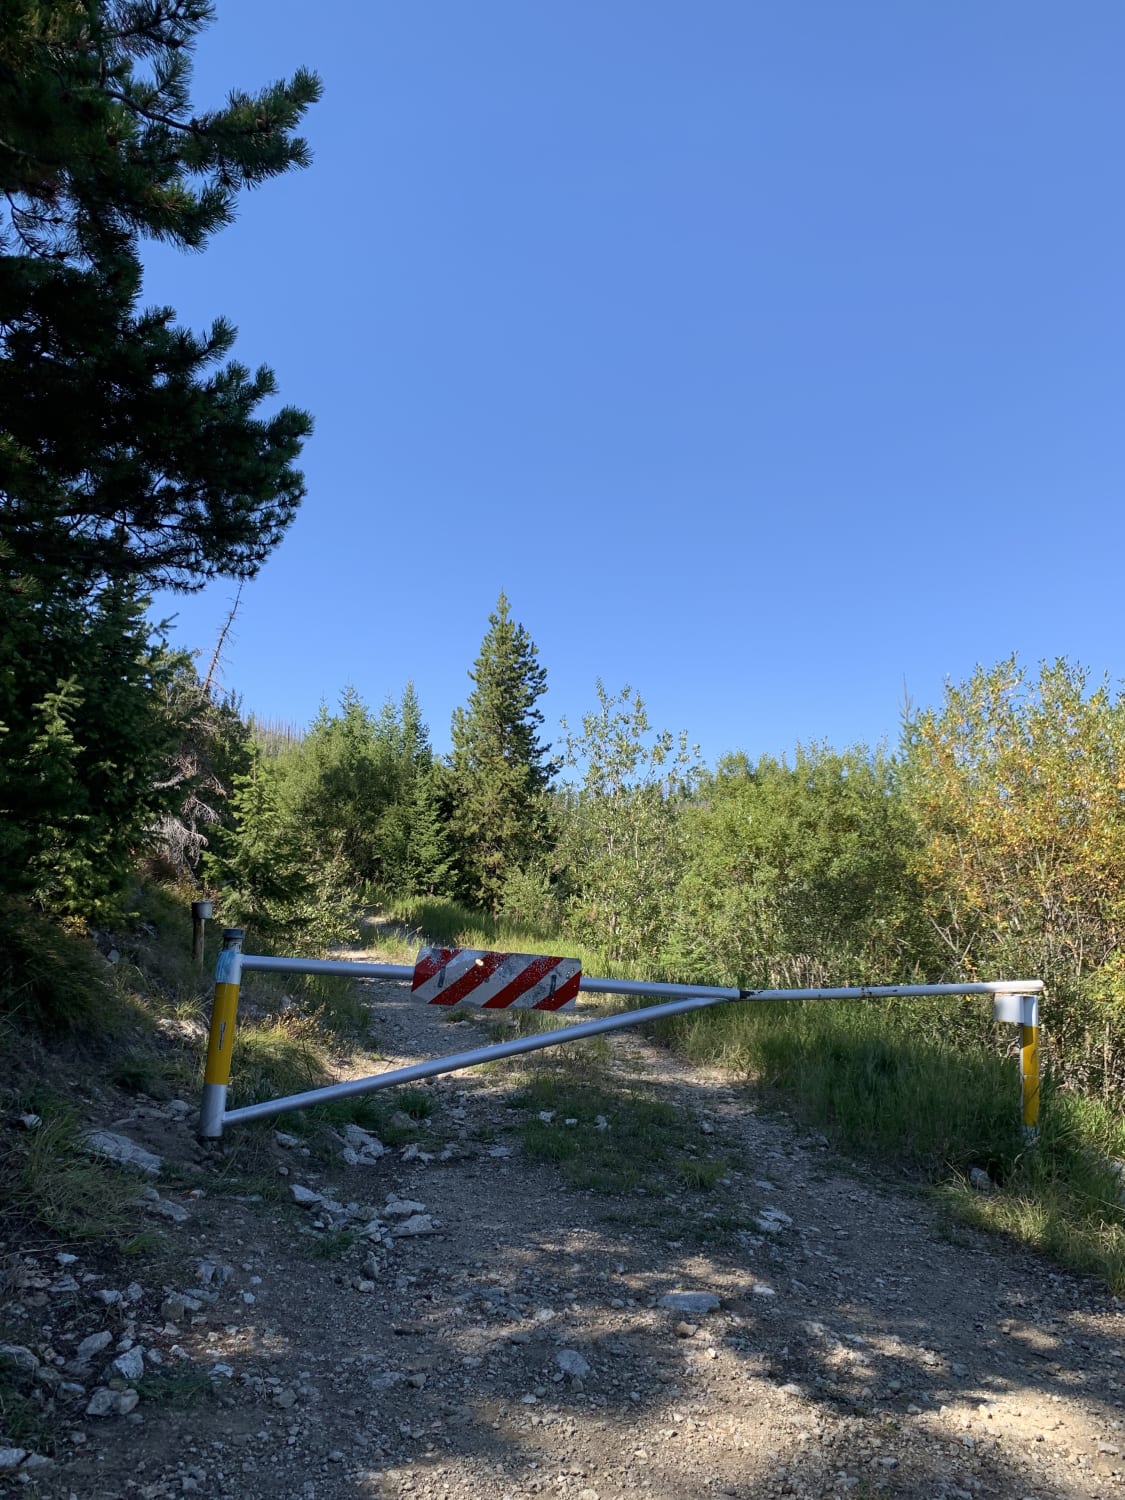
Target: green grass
(1064,1198)
(645,1144)
(858,1071)
(276,1058)
(48,1178)
(177,1388)
(53,982)
(24,1421)
(331,1246)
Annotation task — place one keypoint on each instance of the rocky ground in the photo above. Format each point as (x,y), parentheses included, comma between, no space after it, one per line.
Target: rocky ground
(327,1317)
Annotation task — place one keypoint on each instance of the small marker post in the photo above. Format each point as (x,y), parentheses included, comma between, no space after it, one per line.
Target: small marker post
(200,912)
(220,1043)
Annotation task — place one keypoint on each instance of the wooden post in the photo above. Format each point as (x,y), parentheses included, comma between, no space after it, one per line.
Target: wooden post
(200,911)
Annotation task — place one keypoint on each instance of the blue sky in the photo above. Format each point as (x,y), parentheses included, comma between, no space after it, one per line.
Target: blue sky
(770,357)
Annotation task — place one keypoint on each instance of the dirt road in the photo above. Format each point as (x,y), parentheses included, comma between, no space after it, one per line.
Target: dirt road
(839,1343)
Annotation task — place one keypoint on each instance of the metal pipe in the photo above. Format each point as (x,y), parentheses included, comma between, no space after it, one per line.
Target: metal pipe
(345,969)
(459,1060)
(341,968)
(903,991)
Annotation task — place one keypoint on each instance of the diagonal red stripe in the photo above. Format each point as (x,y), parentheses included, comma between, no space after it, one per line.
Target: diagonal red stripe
(566,992)
(536,970)
(485,966)
(427,967)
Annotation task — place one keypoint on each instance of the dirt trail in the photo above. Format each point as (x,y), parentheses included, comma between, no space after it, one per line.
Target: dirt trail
(521,1349)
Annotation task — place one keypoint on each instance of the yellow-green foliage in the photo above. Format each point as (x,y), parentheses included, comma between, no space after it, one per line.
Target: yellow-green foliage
(1018,786)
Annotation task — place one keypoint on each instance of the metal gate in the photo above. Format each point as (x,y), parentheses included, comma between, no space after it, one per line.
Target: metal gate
(450,976)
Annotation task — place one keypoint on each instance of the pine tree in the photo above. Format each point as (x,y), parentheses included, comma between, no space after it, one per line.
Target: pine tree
(129,447)
(500,768)
(87,728)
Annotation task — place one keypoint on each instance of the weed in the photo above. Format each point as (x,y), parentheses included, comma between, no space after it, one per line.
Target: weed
(51,1180)
(361,1110)
(141,1073)
(417,1103)
(274,1059)
(329,1246)
(177,1388)
(23,1420)
(1064,1196)
(859,1071)
(701,1175)
(52,981)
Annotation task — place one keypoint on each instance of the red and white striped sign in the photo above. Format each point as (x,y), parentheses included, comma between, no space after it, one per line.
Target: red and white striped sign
(495,981)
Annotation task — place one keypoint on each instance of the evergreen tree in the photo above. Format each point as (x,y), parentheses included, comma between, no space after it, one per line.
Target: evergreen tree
(129,447)
(500,768)
(88,723)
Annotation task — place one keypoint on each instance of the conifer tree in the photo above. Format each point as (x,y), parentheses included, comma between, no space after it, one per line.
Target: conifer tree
(129,447)
(501,770)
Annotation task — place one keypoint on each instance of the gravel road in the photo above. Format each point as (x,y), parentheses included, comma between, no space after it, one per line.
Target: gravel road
(800,1328)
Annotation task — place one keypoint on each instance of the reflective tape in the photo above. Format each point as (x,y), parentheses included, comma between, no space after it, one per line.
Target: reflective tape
(496,981)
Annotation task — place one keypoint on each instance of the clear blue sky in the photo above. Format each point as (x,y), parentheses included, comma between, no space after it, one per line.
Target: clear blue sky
(769,356)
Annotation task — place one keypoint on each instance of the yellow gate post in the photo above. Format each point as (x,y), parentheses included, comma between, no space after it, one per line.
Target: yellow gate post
(1029,1065)
(220,1043)
(1023,1011)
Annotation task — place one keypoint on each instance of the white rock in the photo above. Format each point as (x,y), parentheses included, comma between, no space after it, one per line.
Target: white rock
(94,1344)
(773,1221)
(126,1402)
(980,1180)
(130,1365)
(121,1150)
(102,1403)
(546,1115)
(600,1122)
(305,1196)
(416,1224)
(690,1302)
(284,1139)
(30,1122)
(414,1152)
(571,1363)
(402,1208)
(11,1458)
(368,1146)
